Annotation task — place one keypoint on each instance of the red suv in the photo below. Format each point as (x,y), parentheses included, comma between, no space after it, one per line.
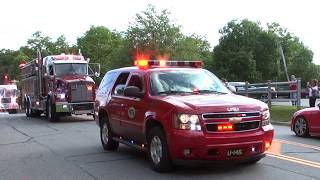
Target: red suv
(176,110)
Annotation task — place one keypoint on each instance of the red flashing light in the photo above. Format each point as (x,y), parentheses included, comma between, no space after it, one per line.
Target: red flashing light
(68,57)
(141,63)
(5,76)
(144,63)
(225,127)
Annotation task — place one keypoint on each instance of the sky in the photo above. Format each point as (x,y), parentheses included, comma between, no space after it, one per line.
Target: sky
(72,18)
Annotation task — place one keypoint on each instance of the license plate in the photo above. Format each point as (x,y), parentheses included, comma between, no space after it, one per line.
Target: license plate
(234,152)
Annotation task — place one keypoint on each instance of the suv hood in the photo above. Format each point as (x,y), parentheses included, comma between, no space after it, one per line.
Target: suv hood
(216,102)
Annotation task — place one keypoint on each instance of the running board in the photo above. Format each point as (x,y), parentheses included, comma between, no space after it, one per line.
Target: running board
(130,143)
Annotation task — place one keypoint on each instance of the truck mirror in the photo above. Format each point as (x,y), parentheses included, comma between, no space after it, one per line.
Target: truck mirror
(133,91)
(94,69)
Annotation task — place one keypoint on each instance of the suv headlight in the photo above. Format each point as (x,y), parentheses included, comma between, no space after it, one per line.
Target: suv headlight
(187,122)
(265,118)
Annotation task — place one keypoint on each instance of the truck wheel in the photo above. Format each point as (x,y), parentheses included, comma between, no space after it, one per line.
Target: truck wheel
(106,137)
(13,111)
(158,151)
(51,112)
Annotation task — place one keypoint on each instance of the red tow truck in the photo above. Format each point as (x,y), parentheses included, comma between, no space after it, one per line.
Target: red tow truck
(58,85)
(177,111)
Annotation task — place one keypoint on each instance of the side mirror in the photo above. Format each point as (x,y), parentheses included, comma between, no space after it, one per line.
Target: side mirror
(94,69)
(133,91)
(318,105)
(119,89)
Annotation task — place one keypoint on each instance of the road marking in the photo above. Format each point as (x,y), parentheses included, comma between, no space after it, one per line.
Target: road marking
(275,151)
(317,148)
(295,160)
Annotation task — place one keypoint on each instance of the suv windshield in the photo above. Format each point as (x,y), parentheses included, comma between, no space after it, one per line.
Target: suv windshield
(185,81)
(71,69)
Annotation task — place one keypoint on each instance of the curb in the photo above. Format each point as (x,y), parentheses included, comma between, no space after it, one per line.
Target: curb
(281,123)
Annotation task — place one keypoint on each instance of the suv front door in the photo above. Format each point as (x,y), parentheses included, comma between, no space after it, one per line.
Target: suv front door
(134,111)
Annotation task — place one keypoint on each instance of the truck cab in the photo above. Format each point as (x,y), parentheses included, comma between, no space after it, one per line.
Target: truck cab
(9,98)
(59,85)
(177,111)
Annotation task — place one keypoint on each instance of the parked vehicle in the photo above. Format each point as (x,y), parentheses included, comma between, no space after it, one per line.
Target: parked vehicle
(257,92)
(58,85)
(306,122)
(9,98)
(175,111)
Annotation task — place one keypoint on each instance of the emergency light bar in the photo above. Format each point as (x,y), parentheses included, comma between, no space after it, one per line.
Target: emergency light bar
(145,64)
(68,57)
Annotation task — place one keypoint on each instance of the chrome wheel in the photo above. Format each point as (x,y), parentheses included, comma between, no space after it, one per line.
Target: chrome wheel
(105,133)
(300,127)
(156,149)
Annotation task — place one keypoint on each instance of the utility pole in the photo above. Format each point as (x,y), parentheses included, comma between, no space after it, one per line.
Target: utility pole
(284,61)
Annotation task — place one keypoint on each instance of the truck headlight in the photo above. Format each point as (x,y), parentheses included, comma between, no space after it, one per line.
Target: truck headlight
(61,96)
(265,118)
(188,122)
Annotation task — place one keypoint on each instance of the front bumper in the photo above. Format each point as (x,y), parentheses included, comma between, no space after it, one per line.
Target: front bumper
(9,106)
(75,108)
(215,146)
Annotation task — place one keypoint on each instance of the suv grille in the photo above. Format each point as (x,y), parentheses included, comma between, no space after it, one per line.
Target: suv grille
(243,126)
(230,115)
(80,92)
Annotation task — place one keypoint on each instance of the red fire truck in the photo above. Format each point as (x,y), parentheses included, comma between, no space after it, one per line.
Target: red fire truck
(58,85)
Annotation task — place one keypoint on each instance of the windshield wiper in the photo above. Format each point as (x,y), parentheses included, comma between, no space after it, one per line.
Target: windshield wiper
(174,92)
(207,91)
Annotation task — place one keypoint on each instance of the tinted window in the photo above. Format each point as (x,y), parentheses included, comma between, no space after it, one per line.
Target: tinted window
(106,83)
(136,80)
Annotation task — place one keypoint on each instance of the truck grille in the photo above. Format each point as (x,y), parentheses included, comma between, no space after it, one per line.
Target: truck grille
(243,126)
(80,92)
(5,100)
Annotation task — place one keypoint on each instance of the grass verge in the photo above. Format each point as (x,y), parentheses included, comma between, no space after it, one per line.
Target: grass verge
(282,113)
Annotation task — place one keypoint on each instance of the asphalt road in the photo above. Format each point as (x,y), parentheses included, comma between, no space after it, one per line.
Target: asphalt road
(33,148)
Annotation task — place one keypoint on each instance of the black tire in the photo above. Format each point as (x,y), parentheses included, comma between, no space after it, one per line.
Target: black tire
(301,127)
(106,136)
(159,158)
(253,161)
(35,113)
(51,113)
(13,111)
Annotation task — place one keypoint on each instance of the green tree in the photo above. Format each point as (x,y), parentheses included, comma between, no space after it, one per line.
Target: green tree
(246,52)
(298,57)
(153,33)
(105,47)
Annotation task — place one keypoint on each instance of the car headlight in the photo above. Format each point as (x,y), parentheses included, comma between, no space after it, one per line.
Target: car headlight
(265,118)
(187,122)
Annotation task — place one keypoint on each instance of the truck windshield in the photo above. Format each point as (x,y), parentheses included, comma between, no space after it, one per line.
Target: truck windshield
(185,82)
(70,69)
(8,92)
